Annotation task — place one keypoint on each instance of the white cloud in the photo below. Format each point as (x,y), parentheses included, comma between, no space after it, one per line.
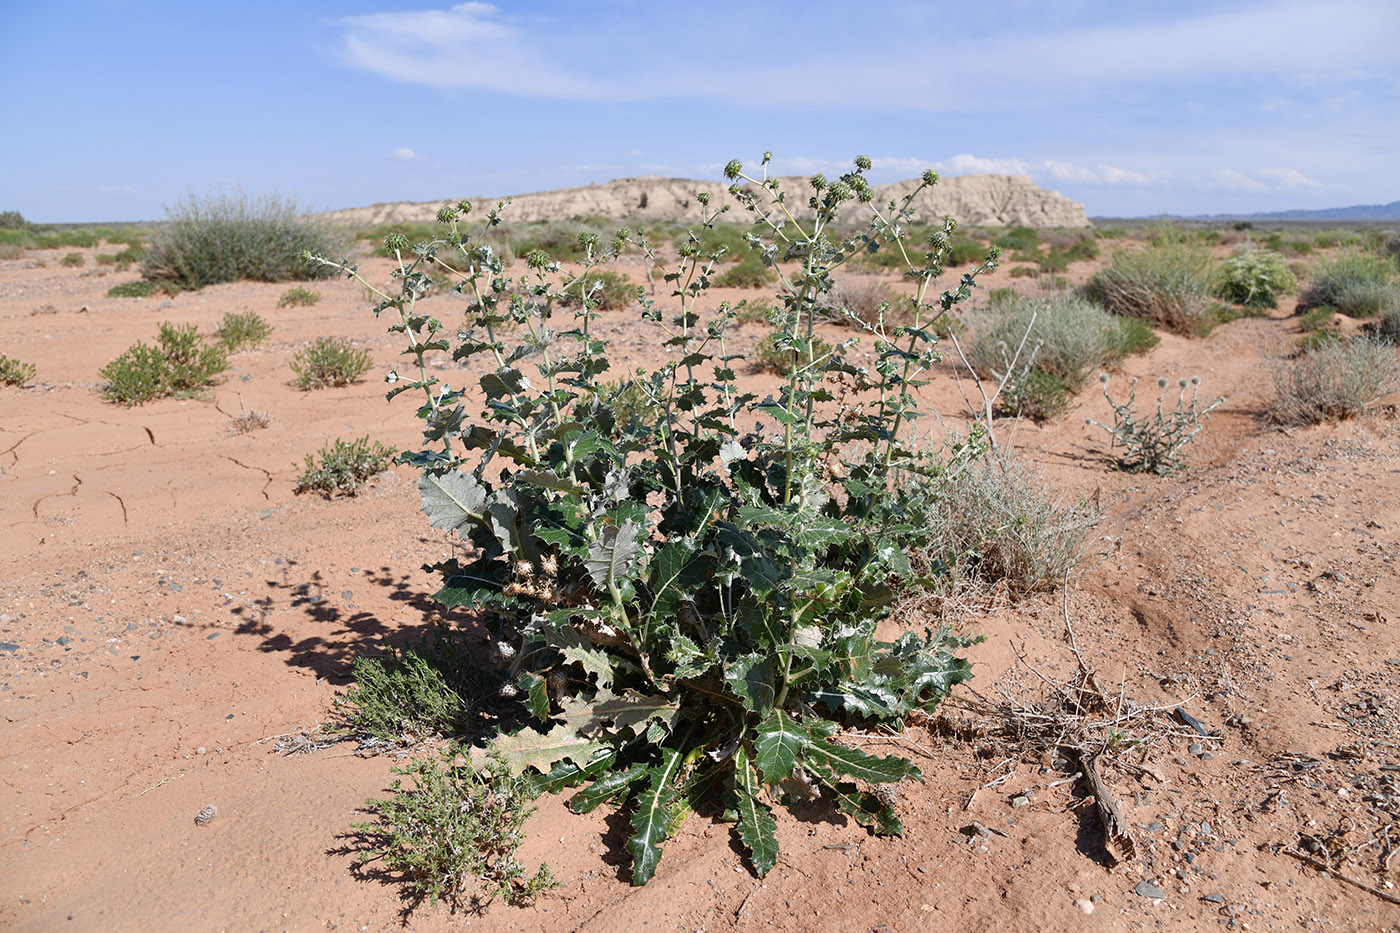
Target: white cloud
(1289,178)
(405,154)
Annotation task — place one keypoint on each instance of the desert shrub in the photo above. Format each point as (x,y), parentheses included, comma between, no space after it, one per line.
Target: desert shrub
(179,363)
(73,260)
(1018,238)
(964,251)
(562,241)
(1298,247)
(1337,379)
(749,272)
(862,298)
(1133,336)
(141,288)
(105,259)
(1069,338)
(1153,443)
(342,467)
(13,220)
(606,291)
(329,362)
(775,355)
(242,329)
(1023,272)
(996,522)
(14,372)
(1255,279)
(1355,284)
(726,237)
(659,591)
(1388,327)
(430,689)
(1167,285)
(298,297)
(455,830)
(227,237)
(11,251)
(249,420)
(412,232)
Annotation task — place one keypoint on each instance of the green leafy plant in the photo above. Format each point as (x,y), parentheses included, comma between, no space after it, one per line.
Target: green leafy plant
(342,467)
(1023,239)
(1335,379)
(1153,444)
(178,364)
(749,272)
(298,297)
(607,291)
(241,329)
(1168,285)
(73,260)
(1255,279)
(686,608)
(1355,284)
(329,361)
(14,372)
(226,237)
(455,831)
(771,356)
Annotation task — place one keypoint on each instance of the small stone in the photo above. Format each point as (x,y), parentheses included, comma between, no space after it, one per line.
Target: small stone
(1195,748)
(1148,889)
(1214,899)
(63,640)
(8,646)
(1155,827)
(1020,800)
(1085,905)
(1207,756)
(347,594)
(205,816)
(200,751)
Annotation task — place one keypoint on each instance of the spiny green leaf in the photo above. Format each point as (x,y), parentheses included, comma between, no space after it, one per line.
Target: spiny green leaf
(857,764)
(606,788)
(781,742)
(757,828)
(652,821)
(865,808)
(751,679)
(452,501)
(547,480)
(567,774)
(530,749)
(612,556)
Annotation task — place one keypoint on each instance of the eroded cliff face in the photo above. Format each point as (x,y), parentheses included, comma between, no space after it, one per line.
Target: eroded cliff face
(979,200)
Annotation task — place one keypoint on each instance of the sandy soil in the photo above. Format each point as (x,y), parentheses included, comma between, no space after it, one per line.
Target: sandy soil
(168,607)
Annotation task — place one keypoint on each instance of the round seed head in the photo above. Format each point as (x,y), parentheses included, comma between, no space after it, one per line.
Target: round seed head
(1195,380)
(1103,377)
(395,243)
(1161,382)
(733,169)
(863,163)
(930,177)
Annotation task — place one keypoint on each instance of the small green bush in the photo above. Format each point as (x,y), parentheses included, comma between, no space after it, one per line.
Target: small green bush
(430,689)
(73,260)
(1018,238)
(1023,272)
(179,363)
(456,828)
(748,272)
(1132,337)
(13,220)
(1336,379)
(1167,285)
(14,372)
(245,329)
(342,467)
(141,288)
(106,259)
(774,355)
(1388,327)
(1355,284)
(329,362)
(606,291)
(1254,279)
(298,297)
(227,237)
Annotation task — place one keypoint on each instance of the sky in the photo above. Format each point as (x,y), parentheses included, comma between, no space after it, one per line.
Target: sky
(113,109)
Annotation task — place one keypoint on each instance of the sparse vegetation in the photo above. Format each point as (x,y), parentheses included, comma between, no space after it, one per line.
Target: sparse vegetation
(605,291)
(1154,443)
(455,829)
(1336,379)
(14,372)
(242,329)
(329,362)
(863,298)
(227,237)
(1168,285)
(1254,279)
(748,272)
(141,288)
(249,420)
(298,297)
(782,358)
(1355,284)
(341,467)
(179,363)
(73,260)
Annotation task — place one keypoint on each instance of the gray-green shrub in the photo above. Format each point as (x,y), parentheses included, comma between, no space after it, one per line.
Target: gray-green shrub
(14,372)
(1168,285)
(1255,279)
(227,237)
(242,329)
(1336,379)
(1355,284)
(342,467)
(179,363)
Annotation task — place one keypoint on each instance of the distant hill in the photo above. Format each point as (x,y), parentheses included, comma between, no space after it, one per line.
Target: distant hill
(1389,211)
(979,200)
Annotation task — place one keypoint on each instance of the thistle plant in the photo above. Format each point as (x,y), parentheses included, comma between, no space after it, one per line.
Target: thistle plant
(684,602)
(1153,444)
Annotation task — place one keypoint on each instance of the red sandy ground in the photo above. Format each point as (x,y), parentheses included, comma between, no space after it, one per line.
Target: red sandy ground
(168,605)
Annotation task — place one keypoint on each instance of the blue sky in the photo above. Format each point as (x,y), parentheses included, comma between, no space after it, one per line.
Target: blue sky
(113,108)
